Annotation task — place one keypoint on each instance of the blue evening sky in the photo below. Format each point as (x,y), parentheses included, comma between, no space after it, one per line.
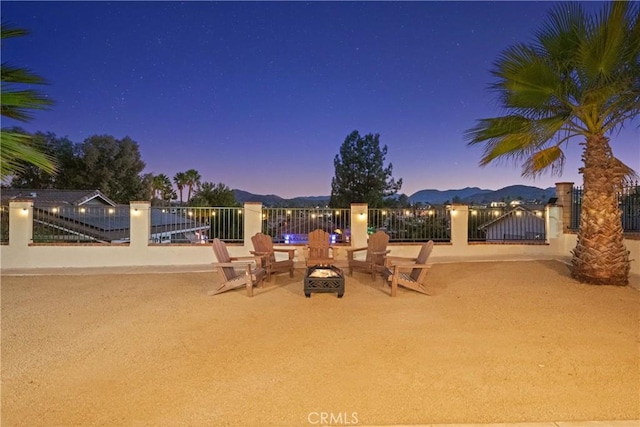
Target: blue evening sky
(260,95)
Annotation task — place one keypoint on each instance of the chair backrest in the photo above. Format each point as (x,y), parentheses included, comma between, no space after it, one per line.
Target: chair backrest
(263,243)
(319,243)
(377,243)
(222,255)
(422,258)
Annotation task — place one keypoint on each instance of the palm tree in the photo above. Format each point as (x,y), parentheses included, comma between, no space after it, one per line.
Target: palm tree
(580,77)
(180,180)
(161,187)
(16,103)
(192,177)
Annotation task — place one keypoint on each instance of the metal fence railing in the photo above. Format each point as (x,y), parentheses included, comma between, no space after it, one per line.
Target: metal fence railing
(412,224)
(4,225)
(292,225)
(506,225)
(81,224)
(628,200)
(196,225)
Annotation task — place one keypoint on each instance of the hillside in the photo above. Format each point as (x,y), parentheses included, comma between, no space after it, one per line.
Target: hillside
(429,196)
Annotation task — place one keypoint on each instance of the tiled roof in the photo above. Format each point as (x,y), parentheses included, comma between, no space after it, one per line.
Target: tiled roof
(60,197)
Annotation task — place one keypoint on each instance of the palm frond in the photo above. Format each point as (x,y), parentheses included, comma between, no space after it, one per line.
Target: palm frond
(562,33)
(550,158)
(17,104)
(8,31)
(11,74)
(600,53)
(17,150)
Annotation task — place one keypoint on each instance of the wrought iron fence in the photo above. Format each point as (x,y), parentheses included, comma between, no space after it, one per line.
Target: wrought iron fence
(628,201)
(502,224)
(293,225)
(81,224)
(4,225)
(412,224)
(196,225)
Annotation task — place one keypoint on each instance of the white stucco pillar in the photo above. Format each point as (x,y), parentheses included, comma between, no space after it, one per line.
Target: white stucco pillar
(252,222)
(459,225)
(20,223)
(554,221)
(359,222)
(140,214)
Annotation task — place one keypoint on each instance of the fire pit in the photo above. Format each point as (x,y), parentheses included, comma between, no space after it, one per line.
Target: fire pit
(323,278)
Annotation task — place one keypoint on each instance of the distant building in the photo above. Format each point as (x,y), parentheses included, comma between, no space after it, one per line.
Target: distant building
(498,205)
(519,224)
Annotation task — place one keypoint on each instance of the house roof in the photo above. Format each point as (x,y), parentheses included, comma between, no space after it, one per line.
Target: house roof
(509,213)
(57,197)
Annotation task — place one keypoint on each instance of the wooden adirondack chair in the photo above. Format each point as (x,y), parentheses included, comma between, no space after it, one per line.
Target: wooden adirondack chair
(263,247)
(415,279)
(226,265)
(376,252)
(319,250)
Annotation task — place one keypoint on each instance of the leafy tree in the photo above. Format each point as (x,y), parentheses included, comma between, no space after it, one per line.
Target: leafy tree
(60,149)
(180,179)
(17,148)
(192,180)
(147,186)
(580,77)
(360,175)
(112,166)
(213,195)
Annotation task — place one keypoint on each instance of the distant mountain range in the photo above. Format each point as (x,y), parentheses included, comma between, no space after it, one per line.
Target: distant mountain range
(471,195)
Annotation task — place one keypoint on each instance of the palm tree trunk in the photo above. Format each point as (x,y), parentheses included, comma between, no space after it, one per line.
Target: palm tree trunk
(600,257)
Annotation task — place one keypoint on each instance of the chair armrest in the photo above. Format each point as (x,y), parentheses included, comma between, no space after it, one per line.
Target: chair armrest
(410,266)
(381,252)
(391,260)
(232,264)
(356,249)
(245,258)
(291,252)
(351,252)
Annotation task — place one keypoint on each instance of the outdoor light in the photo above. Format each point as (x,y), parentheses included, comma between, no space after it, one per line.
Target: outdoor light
(190,213)
(288,212)
(25,211)
(54,210)
(239,211)
(474,212)
(213,213)
(82,210)
(264,216)
(384,213)
(313,215)
(337,212)
(518,213)
(136,212)
(111,210)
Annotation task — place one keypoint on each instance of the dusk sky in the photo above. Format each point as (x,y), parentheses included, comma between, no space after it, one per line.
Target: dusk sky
(261,95)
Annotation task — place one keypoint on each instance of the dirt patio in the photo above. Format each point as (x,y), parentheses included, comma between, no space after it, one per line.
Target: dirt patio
(495,342)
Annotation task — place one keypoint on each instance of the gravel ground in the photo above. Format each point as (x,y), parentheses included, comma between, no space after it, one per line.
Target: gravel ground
(494,342)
